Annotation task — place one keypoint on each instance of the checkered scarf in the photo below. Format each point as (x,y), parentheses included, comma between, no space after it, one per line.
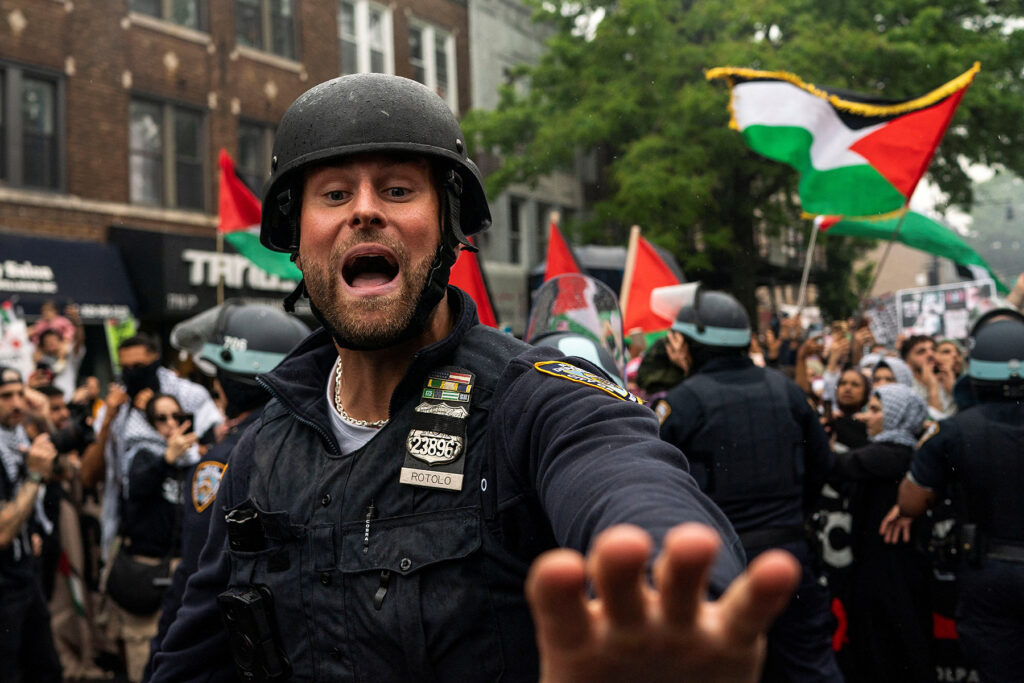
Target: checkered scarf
(11,443)
(903,414)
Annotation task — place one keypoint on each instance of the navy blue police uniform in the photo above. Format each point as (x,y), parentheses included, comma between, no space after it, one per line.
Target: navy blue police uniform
(981,450)
(372,579)
(756,447)
(202,482)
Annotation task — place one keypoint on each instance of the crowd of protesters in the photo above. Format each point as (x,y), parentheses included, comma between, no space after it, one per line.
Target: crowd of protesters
(110,471)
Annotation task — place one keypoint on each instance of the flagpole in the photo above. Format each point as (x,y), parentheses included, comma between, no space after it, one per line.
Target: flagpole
(885,254)
(807,268)
(220,270)
(627,271)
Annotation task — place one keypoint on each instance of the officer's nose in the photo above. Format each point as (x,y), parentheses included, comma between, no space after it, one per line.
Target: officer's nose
(367,208)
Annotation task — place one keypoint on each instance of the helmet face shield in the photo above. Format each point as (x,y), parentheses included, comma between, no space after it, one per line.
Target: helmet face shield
(579,305)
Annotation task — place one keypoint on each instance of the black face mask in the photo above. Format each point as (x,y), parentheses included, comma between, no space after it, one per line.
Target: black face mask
(137,378)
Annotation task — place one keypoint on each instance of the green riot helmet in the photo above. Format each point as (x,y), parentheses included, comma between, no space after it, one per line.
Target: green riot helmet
(995,362)
(714,319)
(237,340)
(375,113)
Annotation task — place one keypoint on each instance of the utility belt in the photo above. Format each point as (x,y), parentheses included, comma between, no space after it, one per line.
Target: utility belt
(774,536)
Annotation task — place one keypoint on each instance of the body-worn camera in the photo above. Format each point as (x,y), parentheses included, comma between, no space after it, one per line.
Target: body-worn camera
(248,615)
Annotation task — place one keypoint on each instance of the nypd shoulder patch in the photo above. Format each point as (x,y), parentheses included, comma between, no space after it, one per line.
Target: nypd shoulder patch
(568,371)
(662,410)
(205,483)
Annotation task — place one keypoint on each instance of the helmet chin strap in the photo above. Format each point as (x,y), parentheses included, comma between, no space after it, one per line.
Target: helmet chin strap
(452,238)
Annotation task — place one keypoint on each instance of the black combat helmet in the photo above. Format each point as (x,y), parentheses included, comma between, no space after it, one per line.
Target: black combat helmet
(996,360)
(366,113)
(362,113)
(711,318)
(239,340)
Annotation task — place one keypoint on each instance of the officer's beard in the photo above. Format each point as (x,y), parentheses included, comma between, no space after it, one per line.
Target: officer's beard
(355,323)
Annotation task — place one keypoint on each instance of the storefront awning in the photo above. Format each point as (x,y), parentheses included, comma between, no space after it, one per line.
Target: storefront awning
(89,274)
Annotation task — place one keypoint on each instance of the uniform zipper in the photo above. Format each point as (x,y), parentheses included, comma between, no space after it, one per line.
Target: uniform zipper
(329,438)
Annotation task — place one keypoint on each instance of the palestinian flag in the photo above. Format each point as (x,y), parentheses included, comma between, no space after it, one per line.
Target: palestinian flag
(560,259)
(239,212)
(857,155)
(468,276)
(916,231)
(645,270)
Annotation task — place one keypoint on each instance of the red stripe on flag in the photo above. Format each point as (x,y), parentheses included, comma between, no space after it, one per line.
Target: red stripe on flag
(649,272)
(467,275)
(902,149)
(560,259)
(238,206)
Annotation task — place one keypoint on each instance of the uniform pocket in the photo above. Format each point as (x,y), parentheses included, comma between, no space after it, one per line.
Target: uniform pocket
(417,587)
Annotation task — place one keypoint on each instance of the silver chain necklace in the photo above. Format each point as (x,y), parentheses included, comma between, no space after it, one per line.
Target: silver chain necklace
(376,424)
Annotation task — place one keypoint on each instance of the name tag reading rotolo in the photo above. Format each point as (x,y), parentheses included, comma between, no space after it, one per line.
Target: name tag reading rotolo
(436,444)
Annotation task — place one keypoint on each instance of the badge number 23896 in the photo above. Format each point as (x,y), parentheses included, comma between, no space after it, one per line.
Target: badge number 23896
(433,447)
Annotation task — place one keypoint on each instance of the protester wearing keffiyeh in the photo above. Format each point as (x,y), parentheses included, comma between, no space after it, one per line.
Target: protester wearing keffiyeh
(903,414)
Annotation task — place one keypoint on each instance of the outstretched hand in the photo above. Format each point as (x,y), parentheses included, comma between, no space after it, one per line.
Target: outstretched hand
(633,632)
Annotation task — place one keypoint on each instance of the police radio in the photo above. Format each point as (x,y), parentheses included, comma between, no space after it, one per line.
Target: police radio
(248,615)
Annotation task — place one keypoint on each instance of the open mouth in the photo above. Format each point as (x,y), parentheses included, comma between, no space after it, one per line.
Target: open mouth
(369,269)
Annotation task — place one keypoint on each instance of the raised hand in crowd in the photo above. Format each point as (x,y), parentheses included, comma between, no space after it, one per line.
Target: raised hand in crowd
(40,455)
(142,399)
(838,354)
(179,441)
(675,347)
(93,459)
(863,340)
(945,374)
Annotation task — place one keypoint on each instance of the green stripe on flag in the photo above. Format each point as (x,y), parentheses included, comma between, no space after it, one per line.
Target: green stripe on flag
(247,242)
(849,190)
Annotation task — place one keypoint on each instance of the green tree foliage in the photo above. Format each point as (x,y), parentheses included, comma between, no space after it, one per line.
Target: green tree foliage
(632,92)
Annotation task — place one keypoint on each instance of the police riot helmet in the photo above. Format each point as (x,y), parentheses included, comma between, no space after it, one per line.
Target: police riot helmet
(369,113)
(238,341)
(712,318)
(996,360)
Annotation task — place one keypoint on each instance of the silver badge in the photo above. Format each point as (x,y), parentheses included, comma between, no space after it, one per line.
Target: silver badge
(433,448)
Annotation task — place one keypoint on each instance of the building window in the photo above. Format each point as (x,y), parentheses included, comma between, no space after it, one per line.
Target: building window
(364,32)
(167,144)
(255,147)
(267,25)
(515,234)
(189,13)
(432,57)
(31,143)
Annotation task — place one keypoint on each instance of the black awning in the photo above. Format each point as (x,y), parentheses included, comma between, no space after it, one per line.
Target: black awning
(89,274)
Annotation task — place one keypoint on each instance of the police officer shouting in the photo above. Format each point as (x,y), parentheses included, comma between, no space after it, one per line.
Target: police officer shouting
(980,450)
(757,449)
(380,519)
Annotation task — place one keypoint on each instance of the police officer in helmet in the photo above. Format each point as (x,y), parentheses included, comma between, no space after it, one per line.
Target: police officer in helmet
(980,450)
(756,447)
(379,520)
(234,342)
